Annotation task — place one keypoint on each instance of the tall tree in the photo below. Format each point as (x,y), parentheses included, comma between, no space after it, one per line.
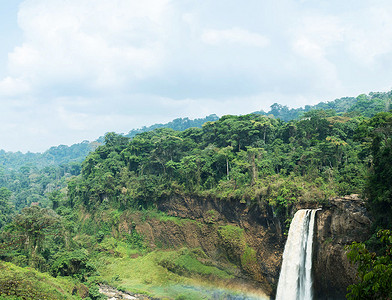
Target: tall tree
(5,208)
(379,190)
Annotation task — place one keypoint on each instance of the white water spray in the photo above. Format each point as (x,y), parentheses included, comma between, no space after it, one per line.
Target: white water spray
(295,280)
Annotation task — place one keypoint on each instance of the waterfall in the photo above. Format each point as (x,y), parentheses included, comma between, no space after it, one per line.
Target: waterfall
(295,280)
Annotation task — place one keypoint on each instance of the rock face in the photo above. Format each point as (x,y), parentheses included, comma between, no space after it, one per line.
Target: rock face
(340,222)
(258,248)
(258,252)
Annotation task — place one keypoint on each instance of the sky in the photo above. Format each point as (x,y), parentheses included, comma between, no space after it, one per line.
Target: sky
(72,70)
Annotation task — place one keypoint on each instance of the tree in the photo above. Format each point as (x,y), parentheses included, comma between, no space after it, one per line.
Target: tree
(75,263)
(56,197)
(253,154)
(377,132)
(30,230)
(374,271)
(113,139)
(336,147)
(5,209)
(227,152)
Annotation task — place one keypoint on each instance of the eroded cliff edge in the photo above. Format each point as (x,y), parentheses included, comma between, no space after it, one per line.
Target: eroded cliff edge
(259,254)
(340,222)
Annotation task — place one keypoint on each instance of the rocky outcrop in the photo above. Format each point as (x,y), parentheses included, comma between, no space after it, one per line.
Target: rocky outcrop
(340,222)
(114,294)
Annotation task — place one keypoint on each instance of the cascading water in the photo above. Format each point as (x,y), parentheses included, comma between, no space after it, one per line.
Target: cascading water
(295,280)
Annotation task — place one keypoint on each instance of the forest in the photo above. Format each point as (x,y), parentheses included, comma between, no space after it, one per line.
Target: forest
(59,214)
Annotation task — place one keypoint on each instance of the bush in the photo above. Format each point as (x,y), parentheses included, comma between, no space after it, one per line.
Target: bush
(73,263)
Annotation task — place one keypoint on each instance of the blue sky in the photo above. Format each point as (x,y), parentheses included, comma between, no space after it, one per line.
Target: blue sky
(71,70)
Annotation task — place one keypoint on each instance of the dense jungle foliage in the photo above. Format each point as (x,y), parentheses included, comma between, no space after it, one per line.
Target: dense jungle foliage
(250,158)
(55,156)
(363,105)
(340,148)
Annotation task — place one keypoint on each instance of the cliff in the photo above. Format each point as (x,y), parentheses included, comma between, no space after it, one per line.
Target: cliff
(340,222)
(250,237)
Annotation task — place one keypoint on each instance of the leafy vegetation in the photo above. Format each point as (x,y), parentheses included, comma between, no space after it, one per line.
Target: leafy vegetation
(25,283)
(377,136)
(249,158)
(55,156)
(364,105)
(80,220)
(374,271)
(30,185)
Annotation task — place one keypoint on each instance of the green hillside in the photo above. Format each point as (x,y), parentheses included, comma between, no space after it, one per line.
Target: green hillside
(364,105)
(27,283)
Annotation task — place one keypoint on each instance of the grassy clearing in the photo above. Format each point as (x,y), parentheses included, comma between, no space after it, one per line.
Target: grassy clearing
(163,274)
(186,263)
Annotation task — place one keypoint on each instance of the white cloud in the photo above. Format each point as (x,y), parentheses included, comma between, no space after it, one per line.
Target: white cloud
(314,40)
(91,44)
(234,36)
(85,67)
(73,120)
(316,34)
(370,40)
(11,87)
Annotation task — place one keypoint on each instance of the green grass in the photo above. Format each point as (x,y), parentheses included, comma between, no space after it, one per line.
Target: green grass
(143,275)
(249,256)
(186,263)
(162,273)
(163,217)
(232,235)
(26,283)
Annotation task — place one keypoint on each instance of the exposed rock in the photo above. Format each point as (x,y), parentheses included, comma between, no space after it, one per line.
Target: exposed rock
(262,232)
(340,222)
(114,294)
(81,290)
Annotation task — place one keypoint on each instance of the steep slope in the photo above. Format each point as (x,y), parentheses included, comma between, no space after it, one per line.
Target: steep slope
(341,222)
(28,283)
